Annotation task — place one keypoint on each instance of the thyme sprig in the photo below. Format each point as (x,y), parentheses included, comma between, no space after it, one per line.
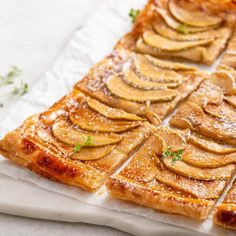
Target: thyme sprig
(87,142)
(133,13)
(176,156)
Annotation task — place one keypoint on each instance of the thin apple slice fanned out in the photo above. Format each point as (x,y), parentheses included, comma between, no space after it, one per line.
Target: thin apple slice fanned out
(207,94)
(161,28)
(199,189)
(200,158)
(165,44)
(231,100)
(142,167)
(211,146)
(119,88)
(155,74)
(224,111)
(87,119)
(191,116)
(193,54)
(169,64)
(109,112)
(176,25)
(92,153)
(225,80)
(131,78)
(196,18)
(190,171)
(171,138)
(67,133)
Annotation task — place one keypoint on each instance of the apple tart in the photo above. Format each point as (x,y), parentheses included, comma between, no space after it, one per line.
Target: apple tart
(180,30)
(141,84)
(225,214)
(175,171)
(78,141)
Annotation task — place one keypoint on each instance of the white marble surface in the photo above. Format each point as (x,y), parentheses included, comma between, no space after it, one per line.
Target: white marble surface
(33,33)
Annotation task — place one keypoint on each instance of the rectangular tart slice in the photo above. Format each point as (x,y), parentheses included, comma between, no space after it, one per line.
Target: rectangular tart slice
(183,30)
(75,144)
(175,172)
(225,214)
(140,84)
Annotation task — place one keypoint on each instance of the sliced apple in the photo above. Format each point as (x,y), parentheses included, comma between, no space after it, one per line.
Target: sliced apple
(231,100)
(210,145)
(169,64)
(155,74)
(131,78)
(196,18)
(161,28)
(89,154)
(142,167)
(204,124)
(207,94)
(197,173)
(67,133)
(109,112)
(171,138)
(223,111)
(225,80)
(165,44)
(199,189)
(122,90)
(176,25)
(195,54)
(200,158)
(87,119)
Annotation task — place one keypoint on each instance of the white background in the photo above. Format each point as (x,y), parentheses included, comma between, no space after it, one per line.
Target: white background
(32,34)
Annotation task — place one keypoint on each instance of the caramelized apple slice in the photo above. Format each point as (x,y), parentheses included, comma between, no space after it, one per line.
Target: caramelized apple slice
(190,171)
(200,158)
(165,44)
(142,167)
(199,189)
(169,64)
(223,111)
(176,25)
(130,77)
(122,90)
(89,120)
(89,154)
(171,138)
(231,100)
(153,73)
(66,133)
(190,113)
(207,94)
(109,112)
(210,145)
(192,17)
(161,28)
(193,54)
(225,80)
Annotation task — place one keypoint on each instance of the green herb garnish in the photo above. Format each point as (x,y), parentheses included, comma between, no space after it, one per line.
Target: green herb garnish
(9,77)
(133,14)
(183,28)
(87,142)
(176,156)
(21,90)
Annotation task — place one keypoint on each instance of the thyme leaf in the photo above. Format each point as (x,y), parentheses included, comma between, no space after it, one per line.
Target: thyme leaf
(133,13)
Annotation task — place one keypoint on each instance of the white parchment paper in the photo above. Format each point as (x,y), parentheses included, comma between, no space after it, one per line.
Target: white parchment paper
(89,45)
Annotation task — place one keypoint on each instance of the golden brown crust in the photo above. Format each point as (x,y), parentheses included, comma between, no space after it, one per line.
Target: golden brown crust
(123,189)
